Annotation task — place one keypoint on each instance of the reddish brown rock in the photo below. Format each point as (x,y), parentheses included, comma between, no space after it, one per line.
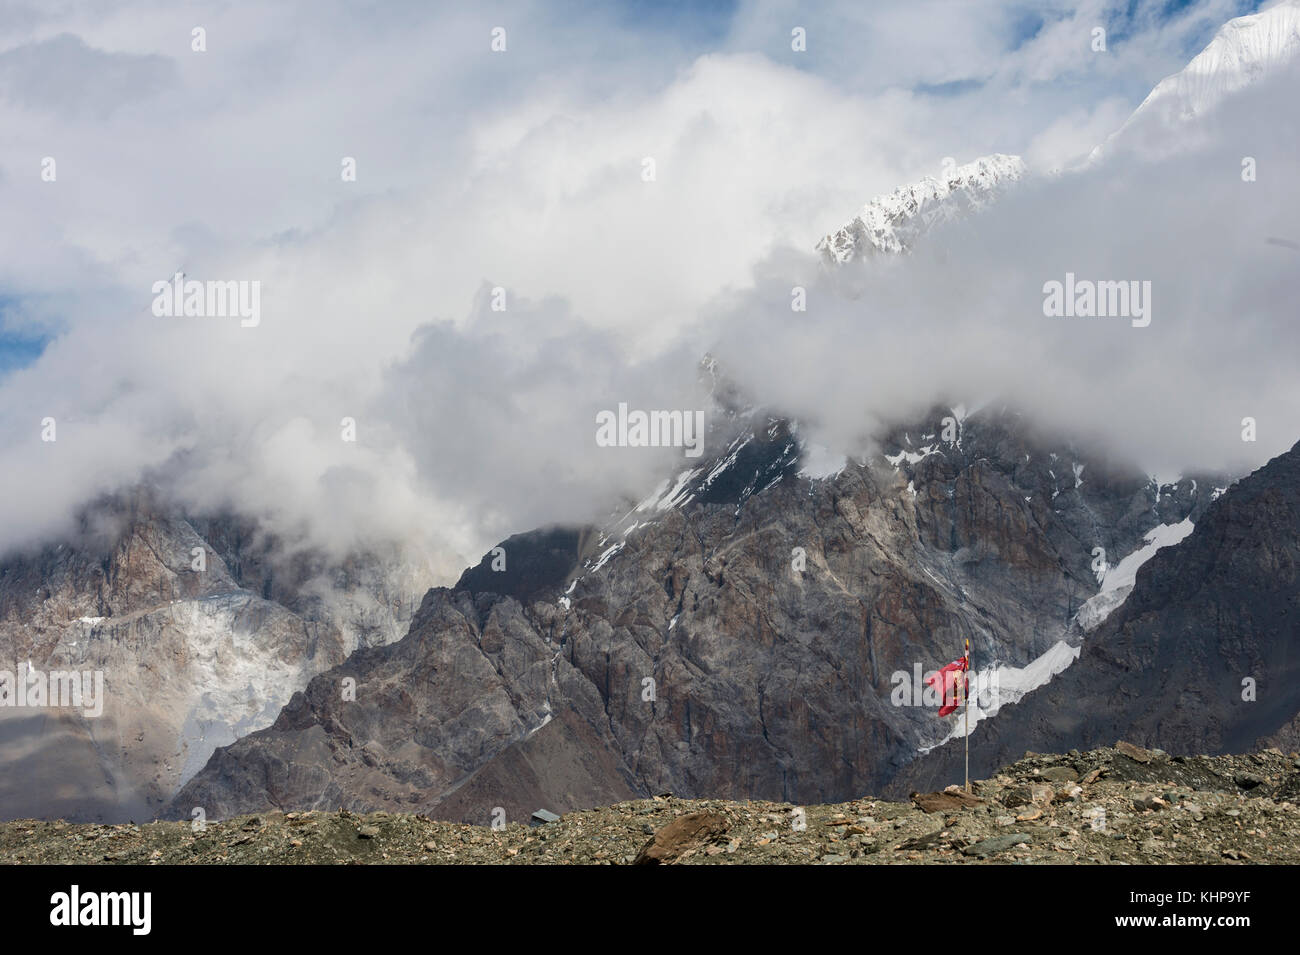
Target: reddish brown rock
(945,801)
(691,831)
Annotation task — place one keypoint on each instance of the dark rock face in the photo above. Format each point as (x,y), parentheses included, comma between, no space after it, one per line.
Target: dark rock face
(532,565)
(1173,667)
(473,681)
(739,635)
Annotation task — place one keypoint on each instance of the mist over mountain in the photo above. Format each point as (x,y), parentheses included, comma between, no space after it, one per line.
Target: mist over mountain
(366,546)
(616,285)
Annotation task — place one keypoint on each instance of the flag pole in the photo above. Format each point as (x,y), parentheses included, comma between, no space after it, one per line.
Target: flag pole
(966,690)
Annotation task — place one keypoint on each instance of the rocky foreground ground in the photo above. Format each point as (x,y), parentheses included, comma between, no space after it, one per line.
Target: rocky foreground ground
(1114,805)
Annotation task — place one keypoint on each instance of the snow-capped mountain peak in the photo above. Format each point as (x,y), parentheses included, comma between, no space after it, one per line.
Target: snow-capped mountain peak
(1243,52)
(892,222)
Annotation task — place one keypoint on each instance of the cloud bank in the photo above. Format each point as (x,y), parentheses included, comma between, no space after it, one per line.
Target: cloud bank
(525,171)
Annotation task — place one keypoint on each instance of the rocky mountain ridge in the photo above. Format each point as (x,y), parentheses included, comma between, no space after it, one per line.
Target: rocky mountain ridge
(738,635)
(892,223)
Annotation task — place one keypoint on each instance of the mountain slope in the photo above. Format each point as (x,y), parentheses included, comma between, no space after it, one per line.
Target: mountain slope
(1170,668)
(771,613)
(1243,52)
(190,658)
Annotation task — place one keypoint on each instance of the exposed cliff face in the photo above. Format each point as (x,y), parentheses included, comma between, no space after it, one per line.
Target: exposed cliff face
(736,635)
(1171,666)
(190,658)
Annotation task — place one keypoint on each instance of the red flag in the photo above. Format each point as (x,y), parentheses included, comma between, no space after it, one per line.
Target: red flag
(945,680)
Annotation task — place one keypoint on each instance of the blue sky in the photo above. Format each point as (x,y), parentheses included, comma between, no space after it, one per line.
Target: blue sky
(17,350)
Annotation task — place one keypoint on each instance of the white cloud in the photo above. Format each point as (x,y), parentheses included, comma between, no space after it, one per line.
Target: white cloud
(523,170)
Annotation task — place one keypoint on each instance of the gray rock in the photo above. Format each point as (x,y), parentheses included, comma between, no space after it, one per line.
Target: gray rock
(1060,774)
(995,845)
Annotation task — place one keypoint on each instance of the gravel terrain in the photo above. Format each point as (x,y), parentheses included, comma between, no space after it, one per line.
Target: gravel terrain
(1044,809)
